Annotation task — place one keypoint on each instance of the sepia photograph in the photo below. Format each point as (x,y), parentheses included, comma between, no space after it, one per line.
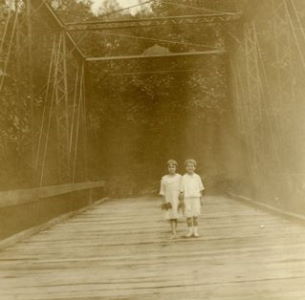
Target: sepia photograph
(152,149)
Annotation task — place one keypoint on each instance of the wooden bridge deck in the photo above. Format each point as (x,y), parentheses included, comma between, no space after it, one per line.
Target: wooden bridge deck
(121,250)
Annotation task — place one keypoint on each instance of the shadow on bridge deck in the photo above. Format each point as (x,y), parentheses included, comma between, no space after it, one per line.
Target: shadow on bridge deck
(121,250)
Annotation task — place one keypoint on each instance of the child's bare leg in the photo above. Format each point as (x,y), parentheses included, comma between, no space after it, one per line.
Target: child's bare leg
(173,223)
(195,222)
(175,226)
(189,222)
(173,229)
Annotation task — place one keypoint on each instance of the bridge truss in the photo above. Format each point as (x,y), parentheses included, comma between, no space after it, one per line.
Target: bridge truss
(54,107)
(268,65)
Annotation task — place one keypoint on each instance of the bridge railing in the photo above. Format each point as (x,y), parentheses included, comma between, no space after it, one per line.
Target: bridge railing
(23,209)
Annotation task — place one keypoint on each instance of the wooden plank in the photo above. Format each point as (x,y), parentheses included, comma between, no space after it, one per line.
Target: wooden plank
(18,197)
(122,250)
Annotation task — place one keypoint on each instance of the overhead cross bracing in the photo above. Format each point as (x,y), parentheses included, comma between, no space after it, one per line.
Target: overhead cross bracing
(151,22)
(133,57)
(207,18)
(54,21)
(63,55)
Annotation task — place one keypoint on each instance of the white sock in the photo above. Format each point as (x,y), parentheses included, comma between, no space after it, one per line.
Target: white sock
(195,229)
(190,230)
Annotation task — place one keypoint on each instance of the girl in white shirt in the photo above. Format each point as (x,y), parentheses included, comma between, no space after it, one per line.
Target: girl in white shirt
(169,189)
(191,190)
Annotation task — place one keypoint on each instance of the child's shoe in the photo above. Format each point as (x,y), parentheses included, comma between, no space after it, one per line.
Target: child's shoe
(196,234)
(173,236)
(190,233)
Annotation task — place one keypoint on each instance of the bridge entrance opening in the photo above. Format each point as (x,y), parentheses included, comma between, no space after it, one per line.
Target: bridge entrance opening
(114,98)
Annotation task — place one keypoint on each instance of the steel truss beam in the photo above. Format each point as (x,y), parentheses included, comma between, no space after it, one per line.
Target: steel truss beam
(150,22)
(54,21)
(63,115)
(137,57)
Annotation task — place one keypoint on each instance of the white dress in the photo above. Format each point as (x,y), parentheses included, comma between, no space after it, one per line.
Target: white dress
(170,189)
(191,186)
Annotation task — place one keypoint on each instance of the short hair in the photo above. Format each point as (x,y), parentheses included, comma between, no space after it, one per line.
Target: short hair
(190,161)
(172,162)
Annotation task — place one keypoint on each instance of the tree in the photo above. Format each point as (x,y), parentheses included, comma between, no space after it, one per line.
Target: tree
(140,110)
(139,113)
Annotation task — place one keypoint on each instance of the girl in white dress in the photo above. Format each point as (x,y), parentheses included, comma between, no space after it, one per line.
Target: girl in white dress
(191,190)
(169,189)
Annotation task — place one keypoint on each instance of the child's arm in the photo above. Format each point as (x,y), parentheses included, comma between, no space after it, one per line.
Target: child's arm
(202,189)
(201,197)
(162,193)
(181,194)
(162,188)
(181,189)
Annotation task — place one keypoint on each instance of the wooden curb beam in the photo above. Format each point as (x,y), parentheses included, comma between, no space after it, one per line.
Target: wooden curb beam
(269,208)
(18,197)
(20,236)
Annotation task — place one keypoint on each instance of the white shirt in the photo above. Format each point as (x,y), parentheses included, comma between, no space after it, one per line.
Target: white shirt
(191,185)
(170,185)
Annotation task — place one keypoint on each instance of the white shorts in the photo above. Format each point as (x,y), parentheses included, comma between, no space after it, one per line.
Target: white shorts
(192,206)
